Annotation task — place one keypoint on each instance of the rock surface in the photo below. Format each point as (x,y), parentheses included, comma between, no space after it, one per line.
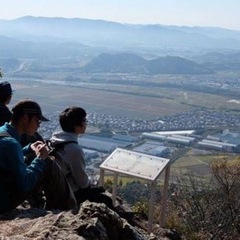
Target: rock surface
(93,221)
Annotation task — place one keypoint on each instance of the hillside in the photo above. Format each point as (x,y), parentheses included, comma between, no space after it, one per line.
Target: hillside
(46,44)
(220,61)
(131,63)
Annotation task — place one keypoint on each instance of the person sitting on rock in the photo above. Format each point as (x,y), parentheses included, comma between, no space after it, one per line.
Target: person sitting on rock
(70,157)
(17,180)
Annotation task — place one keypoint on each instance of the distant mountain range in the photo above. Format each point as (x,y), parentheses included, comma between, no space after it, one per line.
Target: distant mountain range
(103,46)
(112,34)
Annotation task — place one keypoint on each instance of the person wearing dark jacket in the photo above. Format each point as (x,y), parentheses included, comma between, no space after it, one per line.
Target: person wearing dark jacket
(17,180)
(5,98)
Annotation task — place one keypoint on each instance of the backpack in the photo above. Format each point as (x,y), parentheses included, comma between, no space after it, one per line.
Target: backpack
(54,156)
(53,149)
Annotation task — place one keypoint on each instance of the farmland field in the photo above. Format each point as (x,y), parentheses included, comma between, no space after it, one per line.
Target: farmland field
(198,163)
(144,102)
(57,97)
(134,102)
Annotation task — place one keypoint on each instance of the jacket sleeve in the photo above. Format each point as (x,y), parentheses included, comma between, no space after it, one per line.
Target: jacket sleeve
(78,167)
(25,176)
(27,149)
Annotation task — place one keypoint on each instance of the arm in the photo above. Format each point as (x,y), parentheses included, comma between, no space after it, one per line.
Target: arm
(27,149)
(77,166)
(24,176)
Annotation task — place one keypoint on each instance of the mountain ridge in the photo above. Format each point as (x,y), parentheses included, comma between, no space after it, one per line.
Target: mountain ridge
(43,40)
(101,32)
(132,63)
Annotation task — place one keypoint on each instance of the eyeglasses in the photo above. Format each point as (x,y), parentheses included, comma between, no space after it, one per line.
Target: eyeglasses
(37,119)
(85,121)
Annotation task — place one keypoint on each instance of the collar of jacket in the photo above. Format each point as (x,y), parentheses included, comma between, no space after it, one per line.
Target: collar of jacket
(11,130)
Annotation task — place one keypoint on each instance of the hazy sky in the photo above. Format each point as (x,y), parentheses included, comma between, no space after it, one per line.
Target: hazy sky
(220,13)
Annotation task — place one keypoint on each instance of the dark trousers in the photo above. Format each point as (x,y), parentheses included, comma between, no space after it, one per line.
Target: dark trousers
(93,194)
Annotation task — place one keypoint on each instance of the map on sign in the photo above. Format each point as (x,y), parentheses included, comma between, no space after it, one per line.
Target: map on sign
(135,164)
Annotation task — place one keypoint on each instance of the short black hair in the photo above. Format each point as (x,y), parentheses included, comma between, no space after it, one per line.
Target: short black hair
(72,117)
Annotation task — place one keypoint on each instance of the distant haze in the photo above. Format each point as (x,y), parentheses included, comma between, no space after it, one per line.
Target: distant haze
(32,44)
(218,13)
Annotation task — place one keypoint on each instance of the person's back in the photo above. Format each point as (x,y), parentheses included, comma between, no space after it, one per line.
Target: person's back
(71,157)
(71,154)
(5,98)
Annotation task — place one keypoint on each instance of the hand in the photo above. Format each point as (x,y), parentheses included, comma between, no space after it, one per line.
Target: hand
(35,144)
(41,150)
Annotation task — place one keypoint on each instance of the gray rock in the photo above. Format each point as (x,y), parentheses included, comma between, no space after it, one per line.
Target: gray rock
(93,221)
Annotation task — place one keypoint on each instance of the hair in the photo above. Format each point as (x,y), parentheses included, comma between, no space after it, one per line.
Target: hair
(5,92)
(4,97)
(72,117)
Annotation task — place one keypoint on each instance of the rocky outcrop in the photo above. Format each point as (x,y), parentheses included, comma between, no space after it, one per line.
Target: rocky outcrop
(93,221)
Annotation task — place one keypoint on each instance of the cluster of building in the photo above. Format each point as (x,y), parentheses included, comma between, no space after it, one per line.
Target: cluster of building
(157,143)
(162,144)
(187,120)
(226,141)
(102,144)
(177,137)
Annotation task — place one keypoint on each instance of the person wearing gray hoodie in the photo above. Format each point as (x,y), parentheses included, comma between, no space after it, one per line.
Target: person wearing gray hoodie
(70,156)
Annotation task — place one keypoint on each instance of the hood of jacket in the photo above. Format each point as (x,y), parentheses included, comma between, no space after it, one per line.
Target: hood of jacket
(61,137)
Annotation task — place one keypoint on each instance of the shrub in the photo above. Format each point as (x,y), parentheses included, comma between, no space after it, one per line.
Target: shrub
(208,209)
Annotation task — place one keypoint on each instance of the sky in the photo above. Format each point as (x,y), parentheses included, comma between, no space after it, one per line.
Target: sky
(214,13)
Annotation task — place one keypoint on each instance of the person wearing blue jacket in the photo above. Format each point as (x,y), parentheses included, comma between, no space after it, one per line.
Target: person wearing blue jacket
(17,180)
